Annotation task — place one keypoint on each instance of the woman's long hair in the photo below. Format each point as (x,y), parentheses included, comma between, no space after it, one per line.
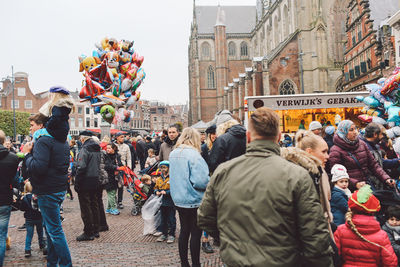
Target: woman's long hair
(190,137)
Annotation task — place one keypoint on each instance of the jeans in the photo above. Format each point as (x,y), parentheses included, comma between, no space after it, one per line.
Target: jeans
(89,211)
(102,214)
(168,220)
(30,227)
(57,246)
(5,212)
(111,203)
(188,220)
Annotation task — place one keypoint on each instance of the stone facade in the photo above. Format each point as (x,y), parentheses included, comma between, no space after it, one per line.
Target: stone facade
(288,47)
(162,115)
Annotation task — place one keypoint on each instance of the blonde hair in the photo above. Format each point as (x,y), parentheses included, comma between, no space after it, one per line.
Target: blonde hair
(28,187)
(145,178)
(307,139)
(349,220)
(150,151)
(190,137)
(106,139)
(208,141)
(2,137)
(133,139)
(222,128)
(54,98)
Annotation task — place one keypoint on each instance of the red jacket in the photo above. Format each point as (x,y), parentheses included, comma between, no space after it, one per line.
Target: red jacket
(339,155)
(357,252)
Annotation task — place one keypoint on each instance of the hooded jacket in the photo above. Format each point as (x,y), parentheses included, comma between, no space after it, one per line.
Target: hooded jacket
(339,154)
(111,163)
(266,210)
(357,252)
(88,165)
(47,166)
(394,237)
(230,145)
(8,169)
(339,205)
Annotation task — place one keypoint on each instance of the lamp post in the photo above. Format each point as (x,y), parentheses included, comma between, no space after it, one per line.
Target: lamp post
(13,97)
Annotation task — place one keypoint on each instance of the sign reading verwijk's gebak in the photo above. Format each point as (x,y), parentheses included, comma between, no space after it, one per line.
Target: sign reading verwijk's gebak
(308,101)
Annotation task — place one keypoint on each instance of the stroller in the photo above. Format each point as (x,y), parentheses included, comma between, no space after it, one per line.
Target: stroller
(138,196)
(387,197)
(150,169)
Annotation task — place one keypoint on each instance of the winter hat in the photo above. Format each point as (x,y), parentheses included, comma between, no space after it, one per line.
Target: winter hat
(315,125)
(86,133)
(212,129)
(119,134)
(339,172)
(364,201)
(59,89)
(330,130)
(165,163)
(343,128)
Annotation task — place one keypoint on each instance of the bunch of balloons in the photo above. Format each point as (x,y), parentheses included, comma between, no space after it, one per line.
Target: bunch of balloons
(112,76)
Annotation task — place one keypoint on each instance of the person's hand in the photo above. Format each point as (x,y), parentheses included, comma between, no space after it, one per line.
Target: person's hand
(391,182)
(28,147)
(158,193)
(163,192)
(360,184)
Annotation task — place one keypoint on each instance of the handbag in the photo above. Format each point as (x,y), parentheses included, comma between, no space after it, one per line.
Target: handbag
(374,182)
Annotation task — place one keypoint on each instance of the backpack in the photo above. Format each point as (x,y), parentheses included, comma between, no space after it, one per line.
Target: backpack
(103,175)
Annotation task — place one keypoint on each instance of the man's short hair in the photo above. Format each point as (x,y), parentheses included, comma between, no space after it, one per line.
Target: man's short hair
(38,119)
(174,126)
(265,122)
(2,137)
(372,129)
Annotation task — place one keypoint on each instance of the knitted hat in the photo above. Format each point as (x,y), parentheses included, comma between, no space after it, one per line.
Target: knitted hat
(211,129)
(339,172)
(59,89)
(315,125)
(330,130)
(165,163)
(363,200)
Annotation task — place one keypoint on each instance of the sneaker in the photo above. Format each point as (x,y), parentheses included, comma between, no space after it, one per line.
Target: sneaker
(22,228)
(115,212)
(157,234)
(170,239)
(8,243)
(84,237)
(206,247)
(162,238)
(120,206)
(44,250)
(62,219)
(108,211)
(28,253)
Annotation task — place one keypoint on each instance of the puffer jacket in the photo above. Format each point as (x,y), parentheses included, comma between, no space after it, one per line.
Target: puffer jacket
(189,177)
(317,173)
(394,237)
(230,145)
(357,252)
(266,210)
(339,155)
(339,205)
(163,184)
(87,172)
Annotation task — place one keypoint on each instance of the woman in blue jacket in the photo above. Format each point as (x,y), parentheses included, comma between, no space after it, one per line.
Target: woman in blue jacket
(188,180)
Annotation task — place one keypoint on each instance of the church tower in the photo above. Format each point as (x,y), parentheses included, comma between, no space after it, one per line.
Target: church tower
(221,56)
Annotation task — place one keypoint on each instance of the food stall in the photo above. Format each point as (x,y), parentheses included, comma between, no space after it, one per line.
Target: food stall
(292,109)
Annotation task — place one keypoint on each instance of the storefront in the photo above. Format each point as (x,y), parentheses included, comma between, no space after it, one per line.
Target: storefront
(293,109)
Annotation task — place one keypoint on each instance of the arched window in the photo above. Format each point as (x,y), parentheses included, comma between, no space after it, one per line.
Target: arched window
(232,49)
(205,50)
(210,77)
(243,49)
(287,87)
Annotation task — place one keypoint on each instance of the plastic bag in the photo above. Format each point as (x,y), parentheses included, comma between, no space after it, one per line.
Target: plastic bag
(151,214)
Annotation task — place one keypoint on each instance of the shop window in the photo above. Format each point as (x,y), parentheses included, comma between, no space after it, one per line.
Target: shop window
(287,87)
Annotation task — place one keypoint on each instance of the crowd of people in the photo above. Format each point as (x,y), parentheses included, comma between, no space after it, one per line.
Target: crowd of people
(326,196)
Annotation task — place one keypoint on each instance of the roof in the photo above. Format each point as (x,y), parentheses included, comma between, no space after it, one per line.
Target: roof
(381,10)
(201,125)
(238,19)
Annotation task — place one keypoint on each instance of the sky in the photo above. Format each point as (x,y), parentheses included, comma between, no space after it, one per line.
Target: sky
(44,38)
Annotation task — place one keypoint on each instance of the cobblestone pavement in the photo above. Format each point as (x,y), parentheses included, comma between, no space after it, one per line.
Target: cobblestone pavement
(123,245)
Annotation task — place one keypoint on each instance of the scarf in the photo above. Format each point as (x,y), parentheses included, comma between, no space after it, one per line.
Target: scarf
(346,191)
(343,130)
(396,231)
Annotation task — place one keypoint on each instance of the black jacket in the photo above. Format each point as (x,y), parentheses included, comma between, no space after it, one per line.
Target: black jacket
(205,153)
(30,213)
(148,146)
(47,166)
(111,162)
(157,144)
(58,125)
(133,154)
(141,150)
(8,168)
(88,165)
(228,146)
(329,140)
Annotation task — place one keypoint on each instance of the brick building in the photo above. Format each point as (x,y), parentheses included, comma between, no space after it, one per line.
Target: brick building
(163,115)
(370,51)
(276,47)
(25,100)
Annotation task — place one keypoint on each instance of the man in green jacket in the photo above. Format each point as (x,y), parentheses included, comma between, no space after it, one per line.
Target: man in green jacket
(264,208)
